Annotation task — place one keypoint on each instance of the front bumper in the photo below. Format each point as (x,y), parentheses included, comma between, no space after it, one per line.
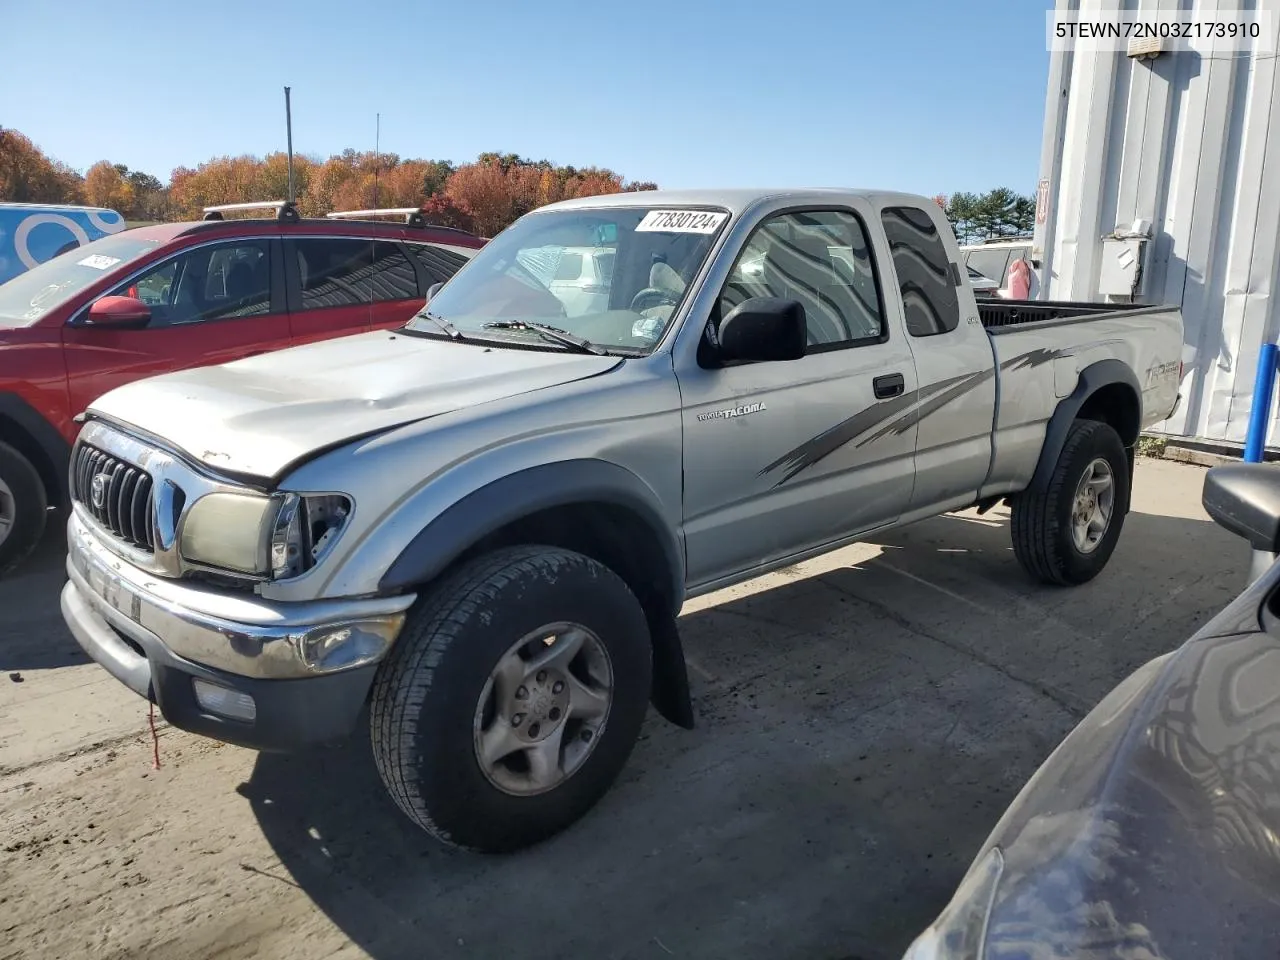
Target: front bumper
(157,637)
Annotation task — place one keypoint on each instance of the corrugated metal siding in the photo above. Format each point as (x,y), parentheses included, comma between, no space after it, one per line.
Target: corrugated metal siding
(1192,144)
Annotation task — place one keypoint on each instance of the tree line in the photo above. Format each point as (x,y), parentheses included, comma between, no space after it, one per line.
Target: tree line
(986,216)
(483,196)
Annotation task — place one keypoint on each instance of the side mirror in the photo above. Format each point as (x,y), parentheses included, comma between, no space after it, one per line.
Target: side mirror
(763,329)
(1244,498)
(119,312)
(433,290)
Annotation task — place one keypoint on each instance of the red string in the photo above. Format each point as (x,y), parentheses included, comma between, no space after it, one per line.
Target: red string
(155,738)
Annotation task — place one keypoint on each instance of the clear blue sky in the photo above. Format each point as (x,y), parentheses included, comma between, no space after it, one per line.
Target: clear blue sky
(922,95)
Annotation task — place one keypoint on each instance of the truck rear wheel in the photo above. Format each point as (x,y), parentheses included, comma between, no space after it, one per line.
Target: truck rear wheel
(513,698)
(23,508)
(1065,534)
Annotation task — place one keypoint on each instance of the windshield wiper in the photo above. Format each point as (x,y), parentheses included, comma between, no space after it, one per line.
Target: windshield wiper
(453,332)
(548,332)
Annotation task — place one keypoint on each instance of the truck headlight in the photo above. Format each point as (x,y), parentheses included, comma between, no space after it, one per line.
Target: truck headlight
(304,530)
(280,536)
(960,932)
(229,530)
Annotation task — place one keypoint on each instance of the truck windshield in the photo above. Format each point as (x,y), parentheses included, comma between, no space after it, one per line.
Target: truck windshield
(30,296)
(613,276)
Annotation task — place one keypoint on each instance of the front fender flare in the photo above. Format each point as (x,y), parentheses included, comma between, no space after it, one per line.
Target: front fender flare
(492,507)
(519,495)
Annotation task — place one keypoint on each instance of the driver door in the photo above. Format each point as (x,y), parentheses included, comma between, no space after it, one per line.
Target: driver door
(787,456)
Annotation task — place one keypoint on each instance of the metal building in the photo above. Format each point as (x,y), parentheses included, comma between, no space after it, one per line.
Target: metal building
(1179,154)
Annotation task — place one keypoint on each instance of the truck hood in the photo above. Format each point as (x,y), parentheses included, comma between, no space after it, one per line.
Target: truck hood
(260,415)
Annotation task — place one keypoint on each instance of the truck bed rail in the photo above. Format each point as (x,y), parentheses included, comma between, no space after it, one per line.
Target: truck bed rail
(1011,313)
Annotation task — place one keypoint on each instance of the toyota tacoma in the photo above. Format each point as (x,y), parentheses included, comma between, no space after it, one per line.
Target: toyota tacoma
(483,525)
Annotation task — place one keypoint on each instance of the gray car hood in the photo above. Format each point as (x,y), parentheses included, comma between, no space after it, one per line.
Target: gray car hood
(1153,830)
(260,415)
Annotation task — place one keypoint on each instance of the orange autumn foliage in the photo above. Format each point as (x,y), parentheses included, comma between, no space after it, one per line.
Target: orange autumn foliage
(484,196)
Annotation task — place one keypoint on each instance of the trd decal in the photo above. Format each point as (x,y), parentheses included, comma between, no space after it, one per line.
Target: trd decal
(1162,371)
(732,412)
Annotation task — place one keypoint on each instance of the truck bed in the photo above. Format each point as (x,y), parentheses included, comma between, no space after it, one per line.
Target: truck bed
(1042,347)
(1008,313)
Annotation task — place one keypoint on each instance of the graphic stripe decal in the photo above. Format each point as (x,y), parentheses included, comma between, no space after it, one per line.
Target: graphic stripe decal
(905,423)
(829,441)
(930,399)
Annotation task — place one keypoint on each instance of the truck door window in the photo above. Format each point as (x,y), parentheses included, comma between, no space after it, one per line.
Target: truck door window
(929,301)
(821,259)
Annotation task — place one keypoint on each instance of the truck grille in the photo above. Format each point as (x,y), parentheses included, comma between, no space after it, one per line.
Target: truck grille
(117,494)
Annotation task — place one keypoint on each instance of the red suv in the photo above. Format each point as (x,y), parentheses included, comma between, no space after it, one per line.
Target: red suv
(162,298)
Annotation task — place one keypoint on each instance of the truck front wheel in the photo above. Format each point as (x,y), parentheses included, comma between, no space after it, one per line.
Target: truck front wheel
(23,508)
(1065,533)
(513,697)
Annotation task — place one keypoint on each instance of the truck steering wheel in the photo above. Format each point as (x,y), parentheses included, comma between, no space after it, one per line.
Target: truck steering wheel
(652,297)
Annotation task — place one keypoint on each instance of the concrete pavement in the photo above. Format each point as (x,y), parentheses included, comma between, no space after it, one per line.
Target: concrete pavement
(863,720)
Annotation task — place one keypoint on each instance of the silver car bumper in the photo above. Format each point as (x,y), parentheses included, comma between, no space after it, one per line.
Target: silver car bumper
(238,634)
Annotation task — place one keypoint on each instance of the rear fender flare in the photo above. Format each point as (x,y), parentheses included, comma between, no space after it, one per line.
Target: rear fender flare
(1093,378)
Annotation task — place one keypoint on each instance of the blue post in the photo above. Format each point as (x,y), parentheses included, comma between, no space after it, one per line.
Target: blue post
(1260,413)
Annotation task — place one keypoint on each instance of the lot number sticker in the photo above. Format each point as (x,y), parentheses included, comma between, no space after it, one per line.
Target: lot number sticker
(98,261)
(681,221)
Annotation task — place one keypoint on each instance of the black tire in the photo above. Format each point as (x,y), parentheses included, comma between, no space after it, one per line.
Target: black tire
(30,507)
(1041,523)
(425,697)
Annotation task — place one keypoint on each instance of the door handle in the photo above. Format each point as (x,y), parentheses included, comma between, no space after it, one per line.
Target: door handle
(890,385)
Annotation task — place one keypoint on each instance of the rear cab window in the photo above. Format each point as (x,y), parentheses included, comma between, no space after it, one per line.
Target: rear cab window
(930,302)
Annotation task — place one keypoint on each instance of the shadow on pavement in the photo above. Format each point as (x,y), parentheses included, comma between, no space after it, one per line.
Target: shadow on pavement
(34,637)
(861,728)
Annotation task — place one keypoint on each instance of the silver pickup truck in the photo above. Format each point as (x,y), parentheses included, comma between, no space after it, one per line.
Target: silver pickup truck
(484,525)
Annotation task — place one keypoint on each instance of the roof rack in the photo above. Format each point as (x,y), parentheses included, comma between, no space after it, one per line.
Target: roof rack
(285,210)
(412,215)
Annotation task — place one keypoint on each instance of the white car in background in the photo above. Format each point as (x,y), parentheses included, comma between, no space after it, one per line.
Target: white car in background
(983,286)
(988,264)
(580,277)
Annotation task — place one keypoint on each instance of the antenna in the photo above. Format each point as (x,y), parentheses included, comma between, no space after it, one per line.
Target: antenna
(377,138)
(288,126)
